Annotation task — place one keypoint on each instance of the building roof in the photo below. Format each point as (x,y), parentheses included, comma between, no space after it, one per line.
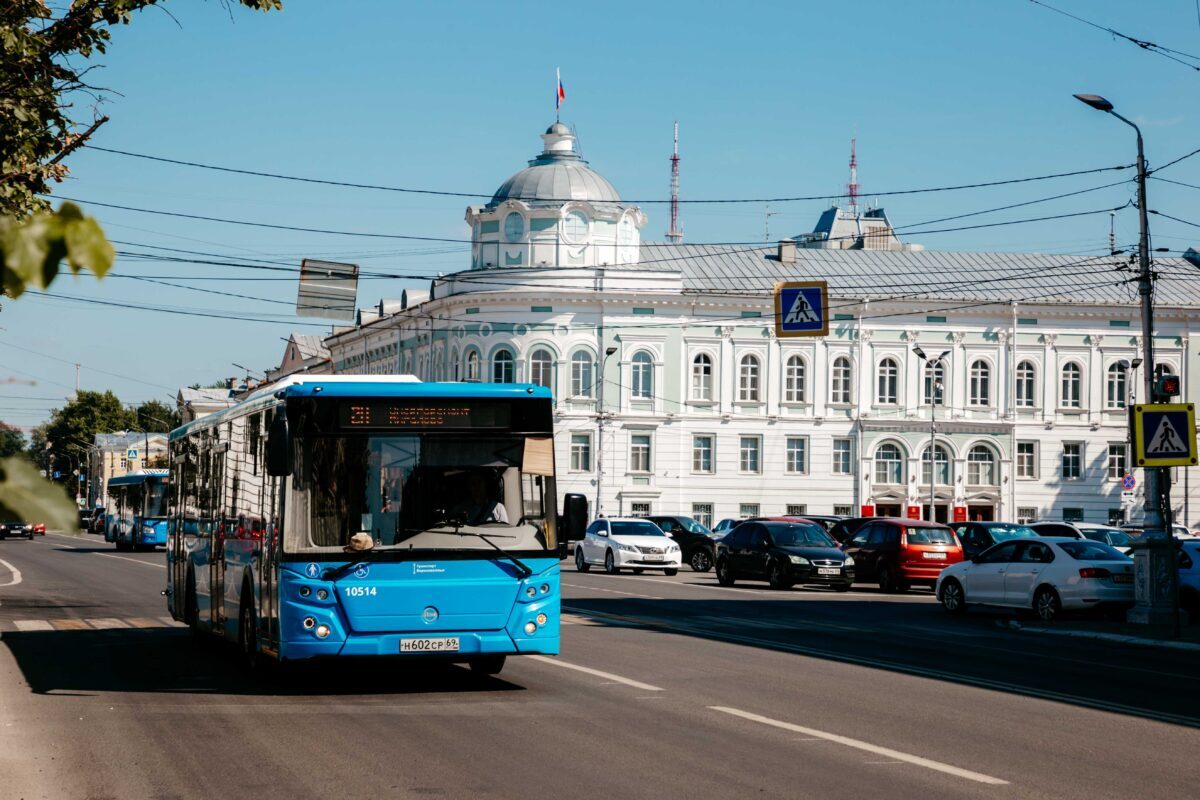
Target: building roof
(310,346)
(556,176)
(107,441)
(206,396)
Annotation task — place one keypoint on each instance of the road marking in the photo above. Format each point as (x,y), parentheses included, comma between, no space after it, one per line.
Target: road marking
(70,625)
(645,687)
(107,623)
(170,622)
(614,591)
(25,625)
(16,574)
(134,560)
(858,744)
(143,622)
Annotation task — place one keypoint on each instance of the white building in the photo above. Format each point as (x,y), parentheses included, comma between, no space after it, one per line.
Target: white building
(703,410)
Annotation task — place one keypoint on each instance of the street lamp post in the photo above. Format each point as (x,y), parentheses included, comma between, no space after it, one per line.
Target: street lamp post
(600,428)
(935,393)
(1155,597)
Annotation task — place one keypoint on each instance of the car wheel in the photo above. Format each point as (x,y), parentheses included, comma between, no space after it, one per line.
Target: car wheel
(724,573)
(637,571)
(487,665)
(887,580)
(670,573)
(701,561)
(841,587)
(952,597)
(1046,604)
(777,577)
(581,565)
(610,564)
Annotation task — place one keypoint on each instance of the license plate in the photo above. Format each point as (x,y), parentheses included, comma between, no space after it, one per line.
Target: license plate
(828,571)
(1122,579)
(656,558)
(447,645)
(934,555)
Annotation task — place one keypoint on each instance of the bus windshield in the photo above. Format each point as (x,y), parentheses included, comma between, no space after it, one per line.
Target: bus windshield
(156,500)
(420,491)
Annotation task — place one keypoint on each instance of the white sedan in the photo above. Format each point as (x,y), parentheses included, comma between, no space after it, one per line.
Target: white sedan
(1048,575)
(618,543)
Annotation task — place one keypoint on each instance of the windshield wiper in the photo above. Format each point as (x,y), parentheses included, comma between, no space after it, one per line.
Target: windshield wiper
(523,569)
(334,573)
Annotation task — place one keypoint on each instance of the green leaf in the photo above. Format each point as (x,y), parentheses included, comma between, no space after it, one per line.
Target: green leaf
(87,248)
(27,496)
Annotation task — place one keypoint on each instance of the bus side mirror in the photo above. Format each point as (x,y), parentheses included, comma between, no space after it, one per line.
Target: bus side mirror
(575,517)
(279,447)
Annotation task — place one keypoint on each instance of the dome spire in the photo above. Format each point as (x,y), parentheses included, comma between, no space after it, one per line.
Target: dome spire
(559,143)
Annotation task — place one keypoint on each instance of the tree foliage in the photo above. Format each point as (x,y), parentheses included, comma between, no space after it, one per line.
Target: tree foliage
(12,441)
(72,429)
(157,416)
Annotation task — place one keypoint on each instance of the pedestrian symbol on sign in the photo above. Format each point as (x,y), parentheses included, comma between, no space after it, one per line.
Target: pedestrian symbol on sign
(802,311)
(1166,441)
(1164,434)
(801,308)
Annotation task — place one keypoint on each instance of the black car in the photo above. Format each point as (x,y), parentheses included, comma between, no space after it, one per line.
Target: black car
(979,536)
(783,554)
(16,528)
(842,531)
(826,521)
(695,540)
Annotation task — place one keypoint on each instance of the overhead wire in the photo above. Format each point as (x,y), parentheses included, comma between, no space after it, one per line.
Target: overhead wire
(1166,52)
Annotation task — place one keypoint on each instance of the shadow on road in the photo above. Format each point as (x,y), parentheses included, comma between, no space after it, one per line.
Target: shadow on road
(166,660)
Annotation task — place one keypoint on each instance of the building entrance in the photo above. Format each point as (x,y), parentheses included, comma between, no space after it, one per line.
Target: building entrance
(979,512)
(941,513)
(888,510)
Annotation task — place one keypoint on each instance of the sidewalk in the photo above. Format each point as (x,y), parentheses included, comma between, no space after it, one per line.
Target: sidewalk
(1157,636)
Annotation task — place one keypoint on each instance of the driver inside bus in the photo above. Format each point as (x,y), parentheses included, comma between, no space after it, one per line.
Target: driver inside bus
(480,505)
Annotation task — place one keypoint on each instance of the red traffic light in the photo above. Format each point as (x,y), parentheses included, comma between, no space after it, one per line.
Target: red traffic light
(1167,386)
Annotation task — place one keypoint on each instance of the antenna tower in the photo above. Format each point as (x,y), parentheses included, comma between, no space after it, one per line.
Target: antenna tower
(675,234)
(852,187)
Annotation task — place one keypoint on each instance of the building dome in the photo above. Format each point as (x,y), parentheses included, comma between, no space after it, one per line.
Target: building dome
(556,176)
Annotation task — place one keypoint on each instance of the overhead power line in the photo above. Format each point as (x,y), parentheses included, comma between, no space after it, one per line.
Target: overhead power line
(1166,52)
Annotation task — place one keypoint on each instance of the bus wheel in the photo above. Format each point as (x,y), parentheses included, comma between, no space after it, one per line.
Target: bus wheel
(487,665)
(248,636)
(191,611)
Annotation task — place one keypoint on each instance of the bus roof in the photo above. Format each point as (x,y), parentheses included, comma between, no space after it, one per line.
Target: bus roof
(137,476)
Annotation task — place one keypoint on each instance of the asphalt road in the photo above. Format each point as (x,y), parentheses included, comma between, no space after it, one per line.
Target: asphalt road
(666,687)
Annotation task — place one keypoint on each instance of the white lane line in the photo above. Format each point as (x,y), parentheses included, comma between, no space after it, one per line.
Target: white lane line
(858,744)
(645,687)
(107,623)
(16,574)
(614,591)
(32,625)
(134,560)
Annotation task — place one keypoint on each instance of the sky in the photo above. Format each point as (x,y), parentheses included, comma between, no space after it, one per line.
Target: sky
(452,97)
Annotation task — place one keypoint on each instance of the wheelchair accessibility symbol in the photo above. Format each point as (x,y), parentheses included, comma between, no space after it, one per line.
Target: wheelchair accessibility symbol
(362,571)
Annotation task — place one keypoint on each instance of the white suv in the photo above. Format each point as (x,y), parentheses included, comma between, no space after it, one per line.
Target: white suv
(627,543)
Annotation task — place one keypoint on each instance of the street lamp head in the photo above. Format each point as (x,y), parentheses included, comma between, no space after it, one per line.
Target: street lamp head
(609,351)
(943,355)
(920,353)
(1095,101)
(1137,362)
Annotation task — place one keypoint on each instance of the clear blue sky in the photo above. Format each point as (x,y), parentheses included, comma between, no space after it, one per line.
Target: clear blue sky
(452,96)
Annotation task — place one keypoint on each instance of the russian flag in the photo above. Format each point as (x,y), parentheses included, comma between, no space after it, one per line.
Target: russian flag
(560,94)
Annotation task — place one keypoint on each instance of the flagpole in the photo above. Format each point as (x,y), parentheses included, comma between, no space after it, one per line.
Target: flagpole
(557,84)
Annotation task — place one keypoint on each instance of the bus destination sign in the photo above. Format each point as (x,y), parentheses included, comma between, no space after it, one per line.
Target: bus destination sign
(376,414)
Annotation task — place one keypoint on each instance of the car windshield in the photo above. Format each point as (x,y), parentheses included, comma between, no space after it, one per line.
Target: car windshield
(1115,538)
(799,535)
(1002,533)
(629,528)
(929,536)
(691,526)
(1087,550)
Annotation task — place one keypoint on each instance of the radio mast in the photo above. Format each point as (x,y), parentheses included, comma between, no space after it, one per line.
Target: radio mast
(675,234)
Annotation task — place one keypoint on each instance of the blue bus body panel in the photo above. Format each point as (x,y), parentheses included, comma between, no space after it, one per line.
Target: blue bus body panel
(150,532)
(370,609)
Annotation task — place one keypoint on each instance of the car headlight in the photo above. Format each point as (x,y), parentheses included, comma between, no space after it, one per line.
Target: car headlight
(673,548)
(849,562)
(800,560)
(628,548)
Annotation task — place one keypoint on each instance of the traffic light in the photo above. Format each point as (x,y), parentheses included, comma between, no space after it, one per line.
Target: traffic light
(1166,387)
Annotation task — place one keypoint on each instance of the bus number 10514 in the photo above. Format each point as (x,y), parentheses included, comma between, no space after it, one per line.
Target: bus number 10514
(360,591)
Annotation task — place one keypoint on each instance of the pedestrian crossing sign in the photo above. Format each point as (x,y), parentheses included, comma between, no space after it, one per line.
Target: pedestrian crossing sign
(1164,434)
(801,309)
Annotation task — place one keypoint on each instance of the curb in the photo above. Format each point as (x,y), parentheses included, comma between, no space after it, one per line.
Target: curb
(1136,641)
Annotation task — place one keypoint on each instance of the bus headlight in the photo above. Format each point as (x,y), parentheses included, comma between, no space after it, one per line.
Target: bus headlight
(322,631)
(544,588)
(541,619)
(530,592)
(147,530)
(305,591)
(309,623)
(322,594)
(531,628)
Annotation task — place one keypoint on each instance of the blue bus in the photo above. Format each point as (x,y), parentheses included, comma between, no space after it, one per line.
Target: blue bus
(371,516)
(137,510)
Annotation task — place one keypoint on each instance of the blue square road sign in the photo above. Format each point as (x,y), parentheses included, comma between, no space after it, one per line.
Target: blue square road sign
(1164,435)
(801,309)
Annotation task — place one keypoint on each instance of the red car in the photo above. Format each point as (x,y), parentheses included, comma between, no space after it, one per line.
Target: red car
(39,528)
(896,553)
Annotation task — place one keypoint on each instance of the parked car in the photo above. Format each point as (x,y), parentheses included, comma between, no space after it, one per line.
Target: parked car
(635,543)
(695,540)
(97,524)
(826,521)
(847,527)
(1050,528)
(783,552)
(724,526)
(1178,531)
(1189,578)
(10,528)
(975,537)
(1048,575)
(897,553)
(1085,530)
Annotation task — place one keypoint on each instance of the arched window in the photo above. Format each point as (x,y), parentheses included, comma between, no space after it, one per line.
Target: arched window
(942,461)
(625,231)
(503,367)
(841,380)
(575,227)
(456,368)
(1163,369)
(1072,386)
(1026,380)
(981,466)
(1116,387)
(642,385)
(748,379)
(583,378)
(980,393)
(795,384)
(935,383)
(702,377)
(889,464)
(887,392)
(541,368)
(472,365)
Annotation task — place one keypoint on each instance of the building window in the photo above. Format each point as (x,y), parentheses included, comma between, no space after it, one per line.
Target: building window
(795,390)
(889,464)
(1026,459)
(748,379)
(639,509)
(843,511)
(796,510)
(642,385)
(702,377)
(503,367)
(748,510)
(1072,386)
(581,452)
(841,379)
(748,455)
(935,383)
(1117,385)
(797,454)
(1026,376)
(541,368)
(703,513)
(124,464)
(639,452)
(582,374)
(1072,460)
(841,456)
(575,227)
(981,466)
(1072,515)
(1163,369)
(980,384)
(472,365)
(887,392)
(702,454)
(941,460)
(1117,464)
(1026,515)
